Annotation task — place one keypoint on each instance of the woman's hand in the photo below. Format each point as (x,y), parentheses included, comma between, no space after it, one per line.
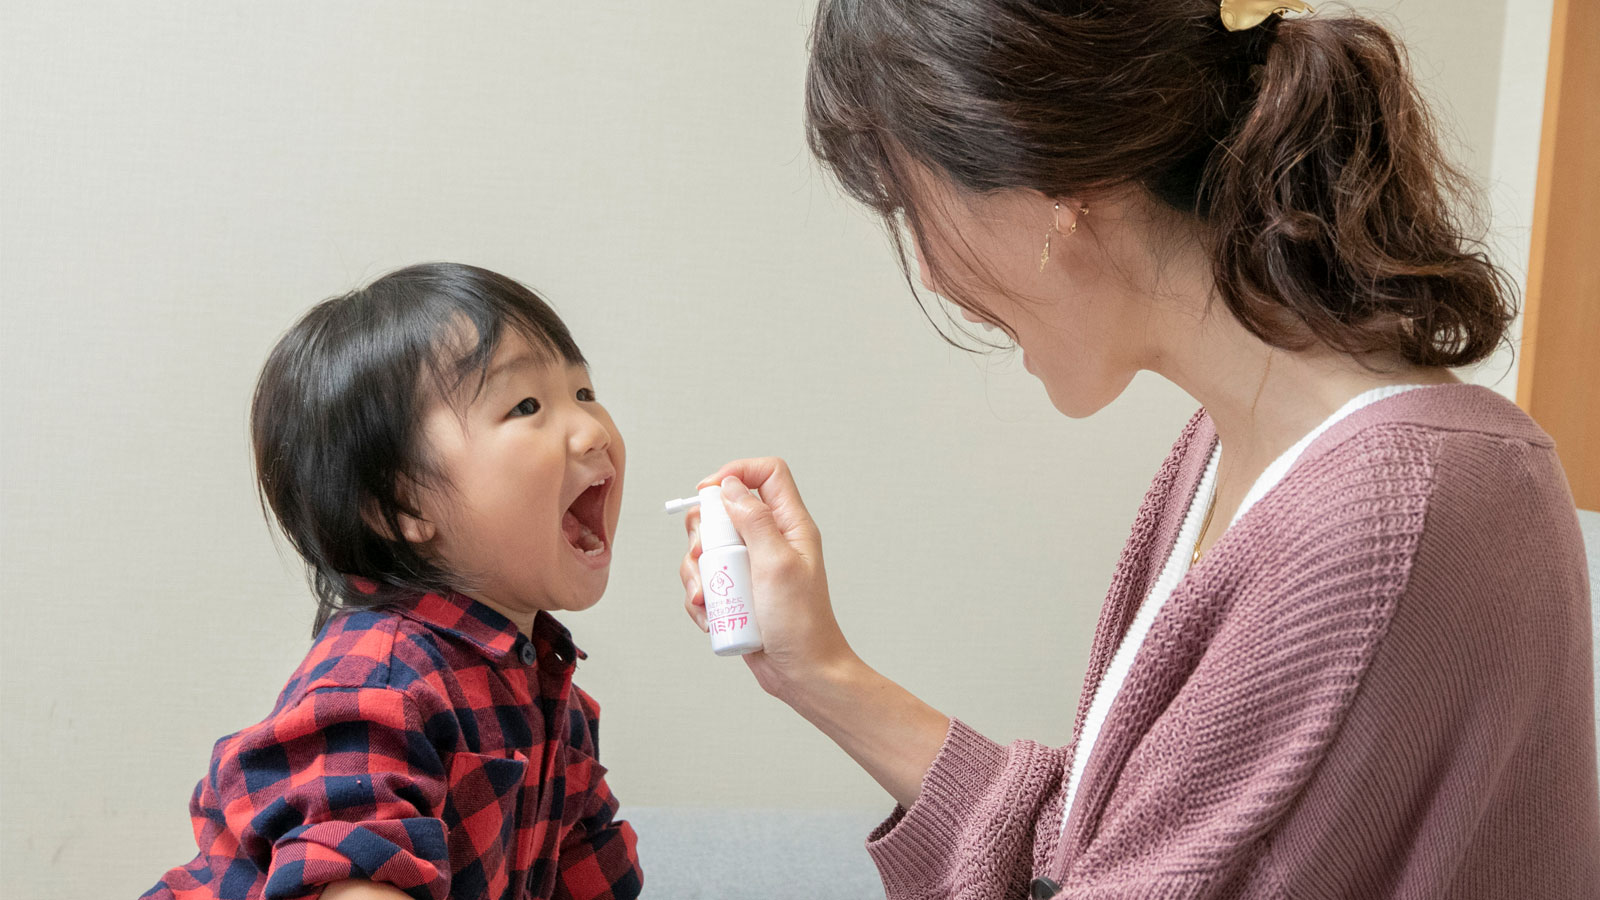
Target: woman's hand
(800,636)
(805,660)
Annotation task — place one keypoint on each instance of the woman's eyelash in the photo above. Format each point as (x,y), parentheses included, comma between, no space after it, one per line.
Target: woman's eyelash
(527,407)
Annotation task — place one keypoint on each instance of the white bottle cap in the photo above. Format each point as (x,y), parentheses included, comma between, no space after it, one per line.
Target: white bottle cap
(716,529)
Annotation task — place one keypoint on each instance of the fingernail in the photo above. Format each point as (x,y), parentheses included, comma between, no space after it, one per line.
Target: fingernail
(732,487)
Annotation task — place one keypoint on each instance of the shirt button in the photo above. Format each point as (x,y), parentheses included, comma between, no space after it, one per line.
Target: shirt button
(1043,889)
(528,654)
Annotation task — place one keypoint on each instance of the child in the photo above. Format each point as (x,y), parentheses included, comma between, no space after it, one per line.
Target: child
(432,447)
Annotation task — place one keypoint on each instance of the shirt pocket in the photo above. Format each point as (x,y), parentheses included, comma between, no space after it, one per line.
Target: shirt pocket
(582,775)
(483,812)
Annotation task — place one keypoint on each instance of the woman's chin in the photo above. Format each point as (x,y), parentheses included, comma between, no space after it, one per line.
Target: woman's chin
(1073,404)
(1079,401)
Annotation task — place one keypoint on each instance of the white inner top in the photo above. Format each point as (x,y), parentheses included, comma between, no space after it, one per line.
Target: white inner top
(1178,565)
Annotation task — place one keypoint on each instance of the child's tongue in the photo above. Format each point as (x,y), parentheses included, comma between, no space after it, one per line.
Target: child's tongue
(579,535)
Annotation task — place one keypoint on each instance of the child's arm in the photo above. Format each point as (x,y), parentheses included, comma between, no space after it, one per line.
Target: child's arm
(341,785)
(599,856)
(362,890)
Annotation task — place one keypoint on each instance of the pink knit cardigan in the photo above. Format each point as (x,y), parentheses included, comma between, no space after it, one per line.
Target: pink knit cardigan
(1377,684)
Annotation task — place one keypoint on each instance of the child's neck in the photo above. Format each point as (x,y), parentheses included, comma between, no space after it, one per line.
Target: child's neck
(523,619)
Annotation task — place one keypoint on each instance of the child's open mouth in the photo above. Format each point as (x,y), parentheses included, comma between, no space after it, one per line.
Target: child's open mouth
(584,523)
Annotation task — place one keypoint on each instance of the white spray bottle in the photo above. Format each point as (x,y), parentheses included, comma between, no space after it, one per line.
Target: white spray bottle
(724,576)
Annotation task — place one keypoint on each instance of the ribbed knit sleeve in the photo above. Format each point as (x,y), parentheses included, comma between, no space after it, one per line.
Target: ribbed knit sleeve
(971,832)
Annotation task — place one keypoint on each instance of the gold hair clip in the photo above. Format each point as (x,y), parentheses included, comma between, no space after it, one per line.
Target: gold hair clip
(1242,15)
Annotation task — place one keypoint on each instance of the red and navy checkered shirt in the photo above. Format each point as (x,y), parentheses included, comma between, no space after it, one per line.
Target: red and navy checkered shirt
(429,746)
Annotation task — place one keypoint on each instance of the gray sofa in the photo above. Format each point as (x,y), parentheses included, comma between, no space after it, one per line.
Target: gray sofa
(691,853)
(775,854)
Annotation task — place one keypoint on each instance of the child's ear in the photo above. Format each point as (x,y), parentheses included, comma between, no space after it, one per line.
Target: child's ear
(413,530)
(416,531)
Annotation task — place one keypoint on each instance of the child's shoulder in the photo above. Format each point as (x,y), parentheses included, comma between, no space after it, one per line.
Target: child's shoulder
(367,649)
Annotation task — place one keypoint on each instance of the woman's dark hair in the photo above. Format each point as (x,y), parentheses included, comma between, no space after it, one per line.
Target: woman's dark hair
(337,418)
(1303,143)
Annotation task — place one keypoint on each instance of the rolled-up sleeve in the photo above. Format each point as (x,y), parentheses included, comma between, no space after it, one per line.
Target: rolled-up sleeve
(343,785)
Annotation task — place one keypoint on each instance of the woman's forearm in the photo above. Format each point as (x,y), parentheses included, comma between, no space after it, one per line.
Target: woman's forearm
(888,731)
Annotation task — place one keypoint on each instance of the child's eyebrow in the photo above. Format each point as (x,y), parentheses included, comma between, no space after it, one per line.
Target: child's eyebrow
(520,362)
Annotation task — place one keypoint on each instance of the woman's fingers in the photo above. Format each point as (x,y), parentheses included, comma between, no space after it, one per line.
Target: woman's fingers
(771,476)
(696,607)
(694,602)
(789,587)
(691,524)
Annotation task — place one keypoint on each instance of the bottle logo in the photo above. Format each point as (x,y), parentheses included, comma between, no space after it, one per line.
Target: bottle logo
(720,583)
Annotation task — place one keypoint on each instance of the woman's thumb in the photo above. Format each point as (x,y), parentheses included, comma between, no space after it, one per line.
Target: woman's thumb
(752,518)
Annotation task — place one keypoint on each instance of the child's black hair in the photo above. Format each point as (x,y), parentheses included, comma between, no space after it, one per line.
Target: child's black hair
(337,418)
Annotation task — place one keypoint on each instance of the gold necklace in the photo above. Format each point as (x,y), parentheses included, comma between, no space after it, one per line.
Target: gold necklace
(1210,508)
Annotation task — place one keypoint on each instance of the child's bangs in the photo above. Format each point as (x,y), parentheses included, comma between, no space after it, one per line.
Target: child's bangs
(467,335)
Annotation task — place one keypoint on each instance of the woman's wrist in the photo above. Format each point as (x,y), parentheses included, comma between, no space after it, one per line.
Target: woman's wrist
(816,691)
(886,729)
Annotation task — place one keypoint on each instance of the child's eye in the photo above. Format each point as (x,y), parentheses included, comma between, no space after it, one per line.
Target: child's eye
(527,407)
(586,394)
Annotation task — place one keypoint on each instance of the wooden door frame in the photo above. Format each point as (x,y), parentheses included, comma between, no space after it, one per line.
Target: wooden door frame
(1558,379)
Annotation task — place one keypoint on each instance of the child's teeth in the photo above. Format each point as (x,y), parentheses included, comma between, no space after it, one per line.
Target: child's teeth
(581,536)
(588,541)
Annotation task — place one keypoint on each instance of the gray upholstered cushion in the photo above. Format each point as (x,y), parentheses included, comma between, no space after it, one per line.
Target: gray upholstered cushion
(690,853)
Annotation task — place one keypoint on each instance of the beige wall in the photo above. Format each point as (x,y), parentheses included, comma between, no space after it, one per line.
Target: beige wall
(180,180)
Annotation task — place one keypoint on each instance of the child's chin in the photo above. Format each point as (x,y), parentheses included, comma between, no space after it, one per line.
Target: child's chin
(588,595)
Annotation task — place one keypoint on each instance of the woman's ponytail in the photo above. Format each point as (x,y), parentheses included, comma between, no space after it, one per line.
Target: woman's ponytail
(1303,142)
(1334,207)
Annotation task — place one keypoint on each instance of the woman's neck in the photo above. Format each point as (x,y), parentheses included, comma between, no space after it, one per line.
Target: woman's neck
(1264,399)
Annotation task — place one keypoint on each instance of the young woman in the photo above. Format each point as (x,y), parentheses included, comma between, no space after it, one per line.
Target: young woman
(1346,651)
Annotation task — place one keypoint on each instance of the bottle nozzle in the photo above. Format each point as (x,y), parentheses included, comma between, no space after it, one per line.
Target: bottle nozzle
(684,505)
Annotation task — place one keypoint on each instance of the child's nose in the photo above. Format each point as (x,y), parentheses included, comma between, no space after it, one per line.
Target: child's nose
(589,435)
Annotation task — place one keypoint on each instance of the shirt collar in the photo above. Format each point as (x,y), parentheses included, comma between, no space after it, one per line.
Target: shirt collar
(491,633)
